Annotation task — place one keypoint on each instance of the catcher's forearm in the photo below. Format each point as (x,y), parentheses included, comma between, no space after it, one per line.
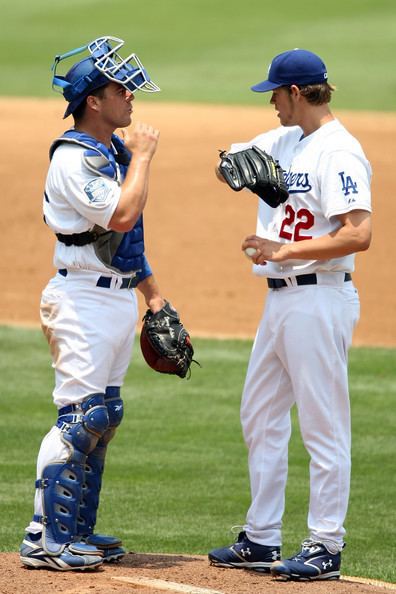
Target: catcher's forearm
(133,195)
(151,292)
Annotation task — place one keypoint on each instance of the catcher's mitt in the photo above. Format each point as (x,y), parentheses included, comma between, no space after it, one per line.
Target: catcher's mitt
(165,343)
(254,169)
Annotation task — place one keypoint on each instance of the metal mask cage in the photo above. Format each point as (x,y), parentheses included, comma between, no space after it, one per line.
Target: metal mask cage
(121,70)
(128,71)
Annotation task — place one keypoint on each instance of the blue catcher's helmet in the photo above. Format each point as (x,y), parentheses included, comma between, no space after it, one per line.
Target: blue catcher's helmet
(102,66)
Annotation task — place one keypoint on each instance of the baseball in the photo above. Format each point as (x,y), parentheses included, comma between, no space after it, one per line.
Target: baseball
(250,252)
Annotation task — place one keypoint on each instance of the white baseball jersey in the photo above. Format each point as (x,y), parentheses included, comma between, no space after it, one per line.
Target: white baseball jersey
(74,201)
(327,174)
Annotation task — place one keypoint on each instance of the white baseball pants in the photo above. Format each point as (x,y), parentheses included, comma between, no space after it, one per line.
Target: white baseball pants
(300,357)
(91,332)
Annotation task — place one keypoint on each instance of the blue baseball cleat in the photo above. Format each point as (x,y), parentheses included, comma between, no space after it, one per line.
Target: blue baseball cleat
(245,554)
(313,562)
(109,545)
(74,556)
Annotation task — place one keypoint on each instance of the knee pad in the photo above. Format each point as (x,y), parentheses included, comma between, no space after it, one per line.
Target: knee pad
(85,435)
(62,482)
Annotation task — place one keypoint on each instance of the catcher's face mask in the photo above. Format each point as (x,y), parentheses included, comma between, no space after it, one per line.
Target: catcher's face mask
(103,64)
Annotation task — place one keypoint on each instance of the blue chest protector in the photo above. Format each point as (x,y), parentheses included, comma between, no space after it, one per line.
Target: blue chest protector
(121,252)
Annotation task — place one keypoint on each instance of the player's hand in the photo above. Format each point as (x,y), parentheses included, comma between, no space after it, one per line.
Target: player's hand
(142,140)
(266,249)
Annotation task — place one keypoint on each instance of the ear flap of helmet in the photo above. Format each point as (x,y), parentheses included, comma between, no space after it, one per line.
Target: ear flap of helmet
(78,83)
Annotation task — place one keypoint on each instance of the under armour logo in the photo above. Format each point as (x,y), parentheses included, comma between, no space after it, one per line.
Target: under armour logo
(348,185)
(328,564)
(245,552)
(275,555)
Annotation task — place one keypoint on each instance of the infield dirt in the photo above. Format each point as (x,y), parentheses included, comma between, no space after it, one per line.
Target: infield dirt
(194,225)
(158,573)
(194,228)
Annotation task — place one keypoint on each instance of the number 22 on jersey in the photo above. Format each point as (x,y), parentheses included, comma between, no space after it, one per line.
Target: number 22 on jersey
(296,223)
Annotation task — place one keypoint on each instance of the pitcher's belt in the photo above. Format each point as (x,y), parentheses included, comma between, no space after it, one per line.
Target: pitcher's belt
(301,279)
(105,281)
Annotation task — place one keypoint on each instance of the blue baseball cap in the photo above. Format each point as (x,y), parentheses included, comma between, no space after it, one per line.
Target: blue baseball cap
(294,67)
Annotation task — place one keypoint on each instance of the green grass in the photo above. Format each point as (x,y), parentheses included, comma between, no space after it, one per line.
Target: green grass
(205,50)
(176,474)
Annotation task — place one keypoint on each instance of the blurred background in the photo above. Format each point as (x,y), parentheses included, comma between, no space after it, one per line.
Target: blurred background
(208,50)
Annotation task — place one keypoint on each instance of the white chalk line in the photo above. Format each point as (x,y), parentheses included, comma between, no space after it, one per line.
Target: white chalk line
(189,589)
(165,585)
(369,582)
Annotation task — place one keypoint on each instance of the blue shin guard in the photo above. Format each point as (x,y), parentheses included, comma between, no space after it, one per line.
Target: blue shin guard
(94,467)
(62,481)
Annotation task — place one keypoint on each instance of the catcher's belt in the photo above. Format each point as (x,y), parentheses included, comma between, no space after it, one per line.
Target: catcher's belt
(110,282)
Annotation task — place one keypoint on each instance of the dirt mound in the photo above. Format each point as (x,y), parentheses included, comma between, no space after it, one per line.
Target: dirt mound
(158,574)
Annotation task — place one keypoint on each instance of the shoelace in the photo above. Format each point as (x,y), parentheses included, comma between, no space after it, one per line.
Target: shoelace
(330,547)
(308,547)
(237,530)
(309,544)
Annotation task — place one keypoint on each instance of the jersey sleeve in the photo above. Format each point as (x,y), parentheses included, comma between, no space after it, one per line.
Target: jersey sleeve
(345,179)
(94,197)
(268,141)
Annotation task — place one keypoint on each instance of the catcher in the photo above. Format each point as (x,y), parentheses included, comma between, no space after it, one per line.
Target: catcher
(95,194)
